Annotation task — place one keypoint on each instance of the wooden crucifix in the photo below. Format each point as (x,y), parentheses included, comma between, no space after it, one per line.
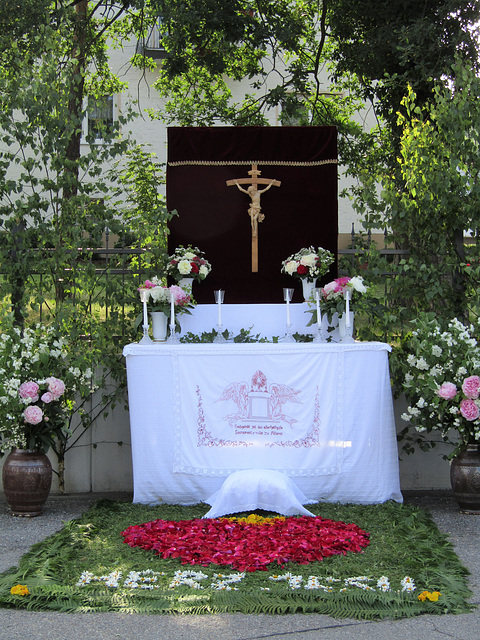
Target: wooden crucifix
(254,211)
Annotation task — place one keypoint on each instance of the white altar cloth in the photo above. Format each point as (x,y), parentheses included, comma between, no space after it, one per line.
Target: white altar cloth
(321,413)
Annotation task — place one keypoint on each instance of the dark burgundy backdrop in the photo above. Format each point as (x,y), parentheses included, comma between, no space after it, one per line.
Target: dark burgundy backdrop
(301,212)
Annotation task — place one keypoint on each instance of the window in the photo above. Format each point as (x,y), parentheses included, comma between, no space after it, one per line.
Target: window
(100,116)
(152,45)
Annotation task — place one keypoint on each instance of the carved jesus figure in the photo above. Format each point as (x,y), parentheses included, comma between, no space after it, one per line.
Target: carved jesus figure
(254,211)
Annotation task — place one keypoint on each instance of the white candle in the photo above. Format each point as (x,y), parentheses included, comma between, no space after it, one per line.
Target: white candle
(172,309)
(347,307)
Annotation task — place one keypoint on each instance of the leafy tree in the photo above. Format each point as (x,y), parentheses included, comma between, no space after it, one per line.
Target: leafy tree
(392,44)
(438,196)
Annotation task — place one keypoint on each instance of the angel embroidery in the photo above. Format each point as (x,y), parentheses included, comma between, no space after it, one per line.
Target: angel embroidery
(259,400)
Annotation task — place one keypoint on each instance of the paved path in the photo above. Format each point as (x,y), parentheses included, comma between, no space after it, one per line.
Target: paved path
(18,534)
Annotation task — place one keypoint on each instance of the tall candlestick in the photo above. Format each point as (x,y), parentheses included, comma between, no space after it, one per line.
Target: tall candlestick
(319,316)
(172,311)
(347,307)
(144,295)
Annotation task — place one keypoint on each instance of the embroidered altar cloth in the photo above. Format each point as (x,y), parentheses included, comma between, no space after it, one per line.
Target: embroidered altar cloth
(320,413)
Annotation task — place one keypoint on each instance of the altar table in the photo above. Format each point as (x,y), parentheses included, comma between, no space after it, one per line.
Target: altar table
(320,413)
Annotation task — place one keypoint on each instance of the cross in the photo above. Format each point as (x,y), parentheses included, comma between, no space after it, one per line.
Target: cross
(254,211)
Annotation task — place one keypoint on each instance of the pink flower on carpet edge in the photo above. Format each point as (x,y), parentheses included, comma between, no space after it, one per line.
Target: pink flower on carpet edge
(29,390)
(469,410)
(447,391)
(471,387)
(33,415)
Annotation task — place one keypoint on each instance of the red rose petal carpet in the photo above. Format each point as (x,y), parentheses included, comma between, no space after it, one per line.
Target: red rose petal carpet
(245,546)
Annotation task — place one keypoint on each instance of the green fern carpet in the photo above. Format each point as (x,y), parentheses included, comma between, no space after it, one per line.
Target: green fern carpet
(408,568)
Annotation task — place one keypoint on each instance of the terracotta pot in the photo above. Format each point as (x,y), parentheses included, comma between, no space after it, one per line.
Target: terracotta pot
(27,478)
(465,478)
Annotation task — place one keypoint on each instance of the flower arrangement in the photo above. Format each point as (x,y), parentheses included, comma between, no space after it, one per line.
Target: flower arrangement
(36,406)
(160,297)
(333,294)
(188,262)
(438,369)
(308,263)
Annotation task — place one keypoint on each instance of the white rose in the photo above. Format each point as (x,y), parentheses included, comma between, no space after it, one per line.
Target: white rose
(291,267)
(203,270)
(189,255)
(184,267)
(308,260)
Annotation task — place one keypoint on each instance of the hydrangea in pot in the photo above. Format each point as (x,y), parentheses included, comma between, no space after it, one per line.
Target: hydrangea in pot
(159,302)
(439,367)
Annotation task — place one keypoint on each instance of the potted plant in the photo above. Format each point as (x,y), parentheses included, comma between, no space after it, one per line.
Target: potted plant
(439,371)
(308,265)
(38,392)
(333,300)
(159,303)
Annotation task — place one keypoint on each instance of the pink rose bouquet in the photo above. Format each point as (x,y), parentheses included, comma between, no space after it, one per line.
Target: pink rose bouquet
(159,297)
(333,294)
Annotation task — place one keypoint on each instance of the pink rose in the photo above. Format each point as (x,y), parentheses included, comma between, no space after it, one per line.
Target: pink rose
(179,296)
(56,387)
(29,390)
(471,387)
(33,414)
(447,391)
(47,397)
(469,410)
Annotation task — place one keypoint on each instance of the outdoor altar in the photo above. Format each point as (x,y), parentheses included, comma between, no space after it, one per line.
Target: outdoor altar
(322,414)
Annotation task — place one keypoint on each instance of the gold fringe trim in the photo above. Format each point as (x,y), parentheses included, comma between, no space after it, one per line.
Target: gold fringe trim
(224,163)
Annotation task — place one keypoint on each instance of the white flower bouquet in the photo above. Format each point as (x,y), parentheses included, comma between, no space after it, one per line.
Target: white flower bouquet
(188,262)
(308,263)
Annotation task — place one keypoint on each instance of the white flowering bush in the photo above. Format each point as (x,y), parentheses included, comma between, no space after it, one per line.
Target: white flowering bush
(41,382)
(440,376)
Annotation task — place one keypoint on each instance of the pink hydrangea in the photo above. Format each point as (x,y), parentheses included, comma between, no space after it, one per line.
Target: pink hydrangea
(33,414)
(47,397)
(29,390)
(56,387)
(471,387)
(469,410)
(447,391)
